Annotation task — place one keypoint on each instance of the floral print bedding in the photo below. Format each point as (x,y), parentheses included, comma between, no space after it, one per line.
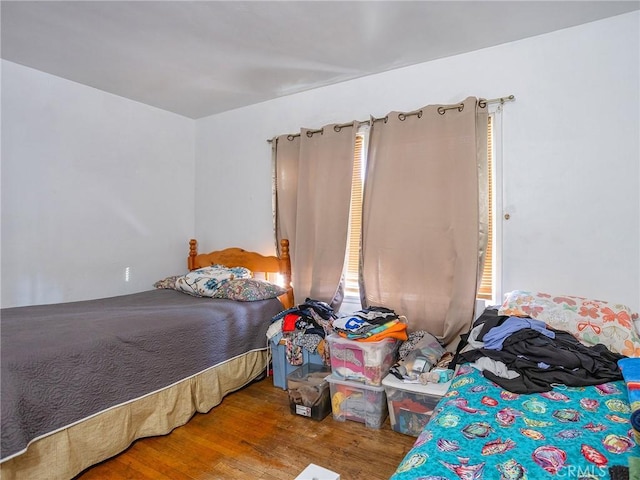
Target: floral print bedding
(480,431)
(590,321)
(218,281)
(205,282)
(248,290)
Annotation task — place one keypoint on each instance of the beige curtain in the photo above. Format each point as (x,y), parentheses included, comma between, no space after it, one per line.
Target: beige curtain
(421,216)
(286,152)
(313,192)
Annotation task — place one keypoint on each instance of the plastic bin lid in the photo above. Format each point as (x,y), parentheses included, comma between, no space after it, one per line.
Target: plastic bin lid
(307,369)
(438,389)
(333,380)
(335,338)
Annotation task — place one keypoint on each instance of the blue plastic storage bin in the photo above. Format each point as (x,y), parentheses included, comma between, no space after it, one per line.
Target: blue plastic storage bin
(281,367)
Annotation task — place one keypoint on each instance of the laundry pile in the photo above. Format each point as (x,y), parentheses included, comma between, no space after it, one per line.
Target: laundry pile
(304,326)
(371,325)
(523,355)
(422,359)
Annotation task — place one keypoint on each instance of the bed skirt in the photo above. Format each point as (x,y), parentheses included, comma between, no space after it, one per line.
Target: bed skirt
(69,451)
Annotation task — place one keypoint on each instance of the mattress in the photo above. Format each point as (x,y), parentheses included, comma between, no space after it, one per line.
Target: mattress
(481,431)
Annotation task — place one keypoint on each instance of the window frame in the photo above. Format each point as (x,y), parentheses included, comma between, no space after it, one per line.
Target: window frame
(351,300)
(496,113)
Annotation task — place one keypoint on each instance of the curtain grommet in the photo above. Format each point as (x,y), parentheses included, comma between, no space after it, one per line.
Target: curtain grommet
(311,133)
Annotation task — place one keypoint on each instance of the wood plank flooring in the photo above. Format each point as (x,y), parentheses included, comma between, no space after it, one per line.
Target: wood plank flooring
(253,435)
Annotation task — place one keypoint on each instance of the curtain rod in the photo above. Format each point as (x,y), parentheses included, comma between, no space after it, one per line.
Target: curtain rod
(482,102)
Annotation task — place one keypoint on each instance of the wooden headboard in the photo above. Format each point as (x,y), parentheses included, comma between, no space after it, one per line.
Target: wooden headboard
(256,262)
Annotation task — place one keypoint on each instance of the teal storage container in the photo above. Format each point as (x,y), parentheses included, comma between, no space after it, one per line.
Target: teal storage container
(280,364)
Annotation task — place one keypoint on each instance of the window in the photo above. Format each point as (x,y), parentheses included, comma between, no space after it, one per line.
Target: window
(352,258)
(486,290)
(490,287)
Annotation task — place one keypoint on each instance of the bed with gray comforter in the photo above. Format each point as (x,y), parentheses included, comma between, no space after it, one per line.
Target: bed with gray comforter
(65,362)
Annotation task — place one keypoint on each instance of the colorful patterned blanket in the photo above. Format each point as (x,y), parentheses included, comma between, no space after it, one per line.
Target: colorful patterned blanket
(481,431)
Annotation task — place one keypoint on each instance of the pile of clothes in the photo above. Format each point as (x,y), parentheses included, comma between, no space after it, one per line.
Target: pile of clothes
(371,325)
(304,326)
(422,359)
(523,355)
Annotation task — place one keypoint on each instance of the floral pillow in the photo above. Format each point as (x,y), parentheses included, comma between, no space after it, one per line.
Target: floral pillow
(169,282)
(205,282)
(590,321)
(248,290)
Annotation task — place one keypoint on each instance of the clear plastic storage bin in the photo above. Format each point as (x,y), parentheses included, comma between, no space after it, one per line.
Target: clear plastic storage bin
(309,391)
(365,362)
(281,366)
(411,405)
(358,402)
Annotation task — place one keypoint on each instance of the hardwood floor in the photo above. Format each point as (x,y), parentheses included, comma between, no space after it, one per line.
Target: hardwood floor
(252,435)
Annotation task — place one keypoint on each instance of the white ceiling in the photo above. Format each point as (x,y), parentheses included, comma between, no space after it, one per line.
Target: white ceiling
(198,58)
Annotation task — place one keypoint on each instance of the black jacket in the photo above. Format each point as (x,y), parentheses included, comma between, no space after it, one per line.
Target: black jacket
(569,361)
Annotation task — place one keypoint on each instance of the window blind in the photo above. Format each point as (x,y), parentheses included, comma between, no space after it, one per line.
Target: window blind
(485,290)
(355,220)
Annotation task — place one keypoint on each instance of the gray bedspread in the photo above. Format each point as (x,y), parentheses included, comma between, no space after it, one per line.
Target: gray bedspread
(61,363)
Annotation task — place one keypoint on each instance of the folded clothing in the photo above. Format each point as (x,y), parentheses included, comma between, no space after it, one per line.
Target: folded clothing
(363,321)
(630,368)
(371,325)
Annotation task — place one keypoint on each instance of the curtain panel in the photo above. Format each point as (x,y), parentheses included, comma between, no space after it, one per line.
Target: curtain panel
(286,151)
(313,195)
(421,242)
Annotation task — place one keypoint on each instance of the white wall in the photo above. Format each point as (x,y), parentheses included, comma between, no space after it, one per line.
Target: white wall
(92,183)
(571,152)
